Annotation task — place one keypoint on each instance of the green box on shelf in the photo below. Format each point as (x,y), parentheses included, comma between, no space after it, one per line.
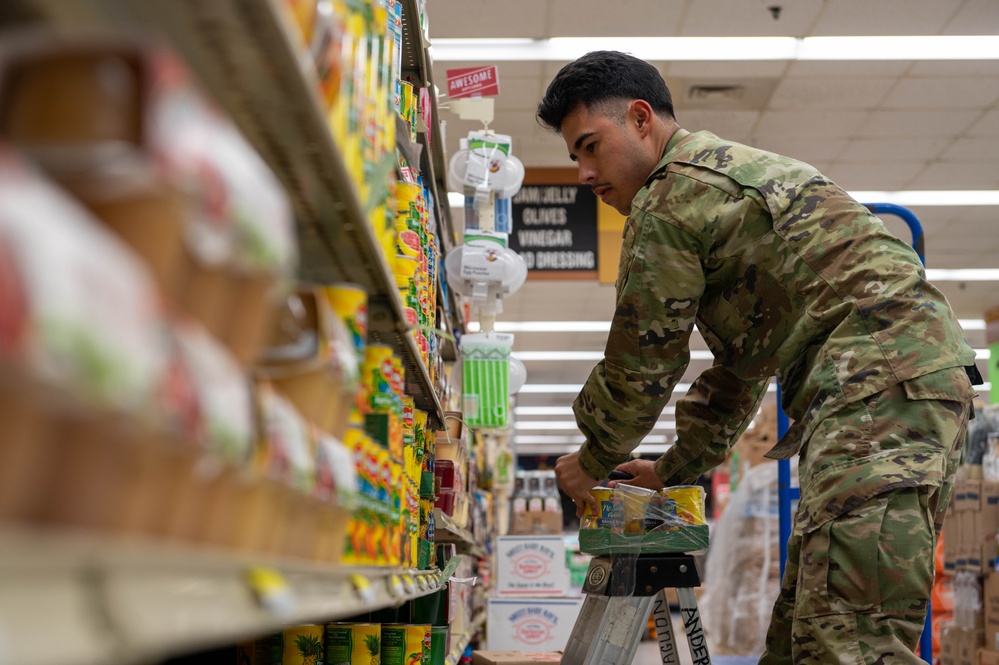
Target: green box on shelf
(690,538)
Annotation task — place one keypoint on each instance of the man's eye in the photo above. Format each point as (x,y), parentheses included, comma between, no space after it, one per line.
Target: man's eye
(591,146)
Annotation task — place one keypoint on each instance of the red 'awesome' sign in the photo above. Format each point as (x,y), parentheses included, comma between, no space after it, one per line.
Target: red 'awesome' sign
(472,82)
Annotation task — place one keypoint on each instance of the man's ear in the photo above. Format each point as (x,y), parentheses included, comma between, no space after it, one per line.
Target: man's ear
(641,113)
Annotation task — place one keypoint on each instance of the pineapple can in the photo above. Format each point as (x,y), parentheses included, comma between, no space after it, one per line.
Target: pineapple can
(303,645)
(353,643)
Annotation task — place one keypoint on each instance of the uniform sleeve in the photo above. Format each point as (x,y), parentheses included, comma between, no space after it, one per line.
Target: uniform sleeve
(713,415)
(660,281)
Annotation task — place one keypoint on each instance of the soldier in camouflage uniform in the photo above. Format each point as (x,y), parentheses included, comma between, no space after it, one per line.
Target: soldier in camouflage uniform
(784,274)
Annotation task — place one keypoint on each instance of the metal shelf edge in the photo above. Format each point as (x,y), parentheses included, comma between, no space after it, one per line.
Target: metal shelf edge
(130,601)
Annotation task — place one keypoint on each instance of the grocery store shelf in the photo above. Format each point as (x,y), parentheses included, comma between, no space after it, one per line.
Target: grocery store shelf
(446,531)
(247,55)
(459,646)
(81,600)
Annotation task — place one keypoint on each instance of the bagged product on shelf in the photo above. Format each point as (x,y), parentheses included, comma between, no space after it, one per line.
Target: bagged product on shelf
(123,127)
(742,575)
(225,406)
(82,345)
(311,359)
(336,491)
(485,379)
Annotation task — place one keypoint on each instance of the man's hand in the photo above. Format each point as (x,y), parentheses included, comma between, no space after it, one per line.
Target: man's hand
(644,472)
(575,482)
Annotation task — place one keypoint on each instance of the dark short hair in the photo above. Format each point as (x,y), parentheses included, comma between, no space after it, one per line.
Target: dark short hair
(601,77)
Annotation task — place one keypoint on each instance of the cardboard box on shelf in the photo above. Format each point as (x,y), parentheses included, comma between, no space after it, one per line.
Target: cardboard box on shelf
(948,644)
(969,642)
(531,566)
(536,624)
(990,593)
(536,524)
(514,657)
(987,657)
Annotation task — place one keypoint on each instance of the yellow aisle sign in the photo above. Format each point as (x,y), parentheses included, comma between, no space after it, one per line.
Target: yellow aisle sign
(610,227)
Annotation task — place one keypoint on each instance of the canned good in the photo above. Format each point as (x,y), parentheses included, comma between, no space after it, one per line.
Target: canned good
(303,645)
(350,302)
(602,517)
(684,503)
(405,644)
(353,643)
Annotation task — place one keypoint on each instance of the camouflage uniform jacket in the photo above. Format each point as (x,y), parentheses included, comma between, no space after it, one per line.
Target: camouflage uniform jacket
(784,274)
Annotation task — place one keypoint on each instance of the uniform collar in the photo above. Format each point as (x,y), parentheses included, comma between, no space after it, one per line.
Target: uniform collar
(669,153)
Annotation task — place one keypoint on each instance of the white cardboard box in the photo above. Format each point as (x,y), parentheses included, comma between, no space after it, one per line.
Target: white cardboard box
(531,566)
(535,624)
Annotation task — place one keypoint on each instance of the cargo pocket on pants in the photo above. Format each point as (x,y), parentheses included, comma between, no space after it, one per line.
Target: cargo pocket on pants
(839,563)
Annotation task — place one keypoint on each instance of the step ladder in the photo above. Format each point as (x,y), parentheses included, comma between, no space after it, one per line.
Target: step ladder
(621,590)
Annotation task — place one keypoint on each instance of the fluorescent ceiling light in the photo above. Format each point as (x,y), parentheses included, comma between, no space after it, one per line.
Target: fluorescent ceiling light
(521,439)
(549,326)
(922,47)
(554,388)
(551,356)
(932,197)
(962,275)
(571,426)
(604,326)
(982,354)
(455,200)
(561,410)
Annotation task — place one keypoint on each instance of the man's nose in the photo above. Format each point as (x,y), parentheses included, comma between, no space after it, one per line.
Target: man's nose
(587,174)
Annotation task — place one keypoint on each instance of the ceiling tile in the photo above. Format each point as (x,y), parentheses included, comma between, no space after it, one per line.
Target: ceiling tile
(627,18)
(510,18)
(812,151)
(972,150)
(884,17)
(519,94)
(830,124)
(912,94)
(514,69)
(747,69)
(957,176)
(876,150)
(986,126)
(916,124)
(955,68)
(871,176)
(844,93)
(738,17)
(975,17)
(847,68)
(723,123)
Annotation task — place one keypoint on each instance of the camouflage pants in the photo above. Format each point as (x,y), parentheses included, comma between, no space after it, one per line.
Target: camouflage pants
(875,480)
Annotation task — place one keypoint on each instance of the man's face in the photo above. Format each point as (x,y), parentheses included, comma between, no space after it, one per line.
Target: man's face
(613,154)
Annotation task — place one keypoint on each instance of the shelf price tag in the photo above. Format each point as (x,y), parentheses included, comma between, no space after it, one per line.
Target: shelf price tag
(394,583)
(271,590)
(363,589)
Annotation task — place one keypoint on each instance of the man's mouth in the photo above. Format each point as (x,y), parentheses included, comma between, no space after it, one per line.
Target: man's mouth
(602,192)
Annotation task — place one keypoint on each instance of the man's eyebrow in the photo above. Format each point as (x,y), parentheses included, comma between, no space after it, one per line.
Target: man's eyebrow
(582,137)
